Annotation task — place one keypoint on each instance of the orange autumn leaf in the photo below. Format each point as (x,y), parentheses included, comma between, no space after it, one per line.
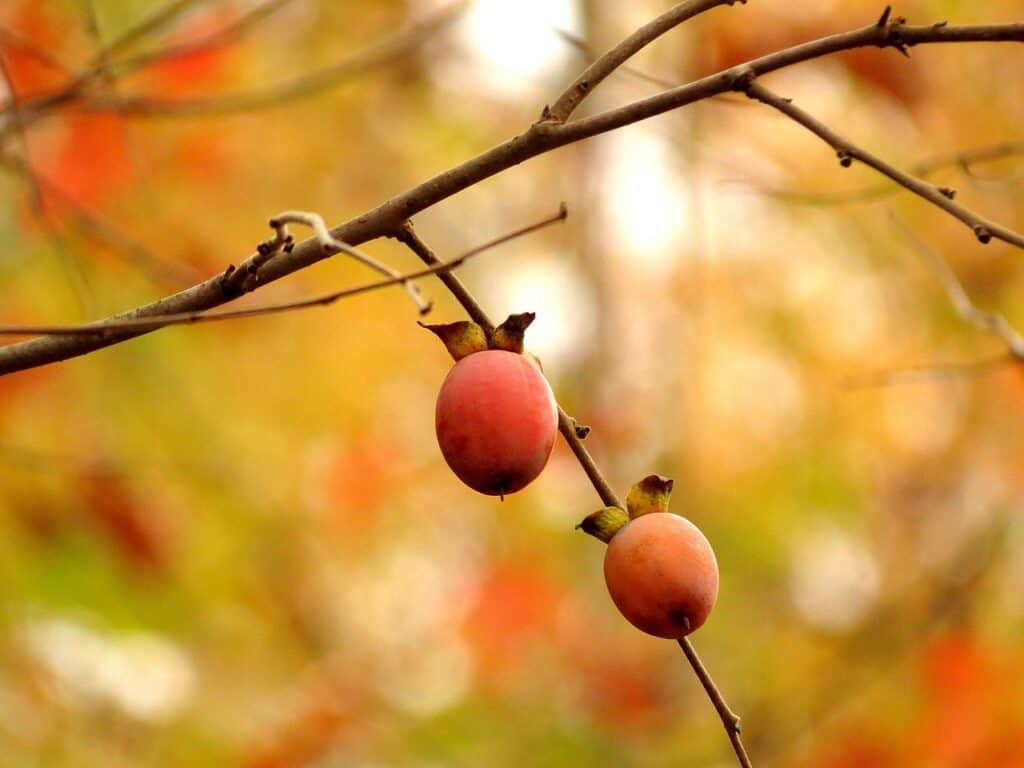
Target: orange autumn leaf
(89,163)
(139,532)
(514,606)
(200,58)
(30,73)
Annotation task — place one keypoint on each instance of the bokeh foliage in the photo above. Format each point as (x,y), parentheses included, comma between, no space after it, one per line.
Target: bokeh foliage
(237,544)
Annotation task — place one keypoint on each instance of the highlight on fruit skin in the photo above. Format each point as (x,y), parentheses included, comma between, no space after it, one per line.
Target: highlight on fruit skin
(662,574)
(496,421)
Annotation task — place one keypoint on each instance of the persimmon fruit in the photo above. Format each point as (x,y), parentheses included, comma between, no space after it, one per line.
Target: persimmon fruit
(496,421)
(662,574)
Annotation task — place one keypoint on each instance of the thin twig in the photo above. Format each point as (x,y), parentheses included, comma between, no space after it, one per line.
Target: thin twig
(97,65)
(331,245)
(730,719)
(223,36)
(962,160)
(989,322)
(538,139)
(592,76)
(117,325)
(984,229)
(390,48)
(583,47)
(19,130)
(75,274)
(567,426)
(157,269)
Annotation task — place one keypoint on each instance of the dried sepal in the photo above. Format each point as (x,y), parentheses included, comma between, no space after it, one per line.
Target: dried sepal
(461,338)
(649,495)
(510,334)
(604,523)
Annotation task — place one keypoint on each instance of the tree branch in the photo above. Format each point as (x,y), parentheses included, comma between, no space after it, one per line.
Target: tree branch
(386,50)
(984,229)
(963,160)
(568,428)
(989,322)
(114,325)
(388,217)
(730,720)
(592,76)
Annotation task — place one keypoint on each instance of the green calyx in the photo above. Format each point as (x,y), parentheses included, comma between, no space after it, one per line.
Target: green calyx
(604,523)
(465,337)
(649,495)
(509,335)
(461,338)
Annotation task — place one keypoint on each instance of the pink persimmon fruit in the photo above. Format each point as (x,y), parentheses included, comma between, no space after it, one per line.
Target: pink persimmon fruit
(662,574)
(496,421)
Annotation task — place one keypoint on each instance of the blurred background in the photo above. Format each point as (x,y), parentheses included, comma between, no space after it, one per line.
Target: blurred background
(237,544)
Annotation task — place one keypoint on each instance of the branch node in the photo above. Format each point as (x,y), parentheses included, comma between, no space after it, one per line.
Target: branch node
(845,158)
(947,192)
(884,18)
(741,78)
(982,233)
(329,244)
(581,430)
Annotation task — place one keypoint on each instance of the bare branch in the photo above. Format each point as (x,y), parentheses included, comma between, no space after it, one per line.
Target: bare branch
(105,64)
(390,48)
(161,271)
(730,719)
(117,325)
(989,322)
(388,218)
(965,161)
(330,245)
(984,229)
(147,26)
(76,276)
(592,76)
(646,77)
(228,34)
(19,130)
(32,109)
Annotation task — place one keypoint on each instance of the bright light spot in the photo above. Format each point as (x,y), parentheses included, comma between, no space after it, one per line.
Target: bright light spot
(428,678)
(148,677)
(512,44)
(144,675)
(553,289)
(645,202)
(833,580)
